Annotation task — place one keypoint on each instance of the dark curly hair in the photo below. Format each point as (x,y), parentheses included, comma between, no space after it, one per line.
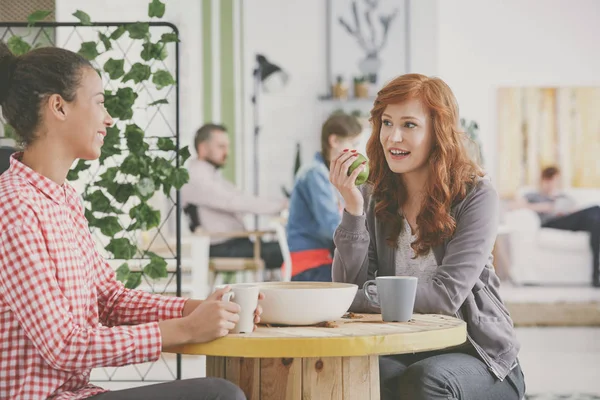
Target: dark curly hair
(452,172)
(27,80)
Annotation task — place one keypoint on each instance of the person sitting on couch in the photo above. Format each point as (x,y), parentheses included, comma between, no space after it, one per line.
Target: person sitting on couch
(558,211)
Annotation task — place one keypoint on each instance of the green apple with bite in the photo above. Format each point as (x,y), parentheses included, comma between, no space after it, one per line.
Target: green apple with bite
(364,174)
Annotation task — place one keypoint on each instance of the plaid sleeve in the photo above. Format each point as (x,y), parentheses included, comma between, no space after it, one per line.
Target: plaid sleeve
(28,285)
(118,305)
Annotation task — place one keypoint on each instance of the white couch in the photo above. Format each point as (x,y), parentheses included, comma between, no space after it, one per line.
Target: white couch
(546,256)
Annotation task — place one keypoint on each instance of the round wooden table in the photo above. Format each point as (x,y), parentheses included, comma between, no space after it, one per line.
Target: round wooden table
(338,361)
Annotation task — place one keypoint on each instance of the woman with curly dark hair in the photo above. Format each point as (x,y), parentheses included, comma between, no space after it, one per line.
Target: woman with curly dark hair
(62,311)
(428,211)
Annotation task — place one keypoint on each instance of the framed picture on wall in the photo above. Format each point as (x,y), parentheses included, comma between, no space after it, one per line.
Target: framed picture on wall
(366,39)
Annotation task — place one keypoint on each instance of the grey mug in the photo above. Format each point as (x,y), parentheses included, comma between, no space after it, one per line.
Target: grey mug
(396,296)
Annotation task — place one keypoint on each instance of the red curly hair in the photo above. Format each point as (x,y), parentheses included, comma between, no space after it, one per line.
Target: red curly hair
(451,172)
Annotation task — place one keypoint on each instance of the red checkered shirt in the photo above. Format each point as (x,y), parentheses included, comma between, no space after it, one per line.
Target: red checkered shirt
(62,312)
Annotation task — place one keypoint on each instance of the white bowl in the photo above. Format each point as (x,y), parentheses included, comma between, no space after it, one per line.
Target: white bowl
(305,303)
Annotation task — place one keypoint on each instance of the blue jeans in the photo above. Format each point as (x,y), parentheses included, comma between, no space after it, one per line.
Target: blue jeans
(317,274)
(456,374)
(583,220)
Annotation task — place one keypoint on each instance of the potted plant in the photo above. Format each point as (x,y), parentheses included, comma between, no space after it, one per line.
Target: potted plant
(361,87)
(339,89)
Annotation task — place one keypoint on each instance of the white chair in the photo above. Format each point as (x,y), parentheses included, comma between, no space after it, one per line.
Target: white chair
(547,256)
(278,225)
(199,270)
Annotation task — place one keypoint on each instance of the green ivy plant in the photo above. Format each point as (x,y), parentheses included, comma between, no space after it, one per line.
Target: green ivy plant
(142,172)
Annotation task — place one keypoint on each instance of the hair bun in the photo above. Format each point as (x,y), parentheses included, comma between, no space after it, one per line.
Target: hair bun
(7,67)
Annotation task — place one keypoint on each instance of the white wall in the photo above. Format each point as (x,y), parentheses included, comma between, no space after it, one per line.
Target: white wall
(289,34)
(483,45)
(424,34)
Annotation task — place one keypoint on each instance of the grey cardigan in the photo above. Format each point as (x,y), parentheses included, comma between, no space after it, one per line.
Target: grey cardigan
(464,285)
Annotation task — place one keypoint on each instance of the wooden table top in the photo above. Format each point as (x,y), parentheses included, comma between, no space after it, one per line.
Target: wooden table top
(365,334)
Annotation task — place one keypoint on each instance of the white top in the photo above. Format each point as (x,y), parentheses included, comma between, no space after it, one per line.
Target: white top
(422,267)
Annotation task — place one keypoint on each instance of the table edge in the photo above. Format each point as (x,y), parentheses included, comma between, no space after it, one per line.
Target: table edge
(338,346)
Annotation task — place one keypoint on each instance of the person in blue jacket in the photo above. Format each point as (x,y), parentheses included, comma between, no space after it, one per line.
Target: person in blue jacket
(316,206)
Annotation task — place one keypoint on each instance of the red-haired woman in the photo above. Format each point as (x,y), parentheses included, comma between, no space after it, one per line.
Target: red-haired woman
(428,211)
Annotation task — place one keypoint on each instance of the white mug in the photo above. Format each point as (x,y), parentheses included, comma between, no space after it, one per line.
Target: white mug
(246,296)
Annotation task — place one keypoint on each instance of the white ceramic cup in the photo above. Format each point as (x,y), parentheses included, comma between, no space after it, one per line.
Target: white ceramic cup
(246,296)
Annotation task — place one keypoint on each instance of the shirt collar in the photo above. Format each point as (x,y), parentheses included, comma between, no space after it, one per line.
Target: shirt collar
(54,191)
(319,157)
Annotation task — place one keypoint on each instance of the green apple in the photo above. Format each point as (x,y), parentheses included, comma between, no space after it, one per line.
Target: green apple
(364,175)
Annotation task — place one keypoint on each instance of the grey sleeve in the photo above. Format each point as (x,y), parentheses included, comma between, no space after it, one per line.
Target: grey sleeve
(531,197)
(355,258)
(467,253)
(535,197)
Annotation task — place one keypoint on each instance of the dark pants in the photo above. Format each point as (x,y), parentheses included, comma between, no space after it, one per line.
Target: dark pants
(317,274)
(459,375)
(188,389)
(270,252)
(587,220)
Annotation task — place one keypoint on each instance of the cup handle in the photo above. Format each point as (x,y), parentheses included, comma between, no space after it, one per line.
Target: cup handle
(367,294)
(227,297)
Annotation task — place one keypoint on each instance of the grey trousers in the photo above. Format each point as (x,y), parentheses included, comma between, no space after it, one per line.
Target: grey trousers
(188,389)
(459,375)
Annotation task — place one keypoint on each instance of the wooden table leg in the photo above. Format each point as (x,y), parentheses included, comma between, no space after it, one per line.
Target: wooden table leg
(330,378)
